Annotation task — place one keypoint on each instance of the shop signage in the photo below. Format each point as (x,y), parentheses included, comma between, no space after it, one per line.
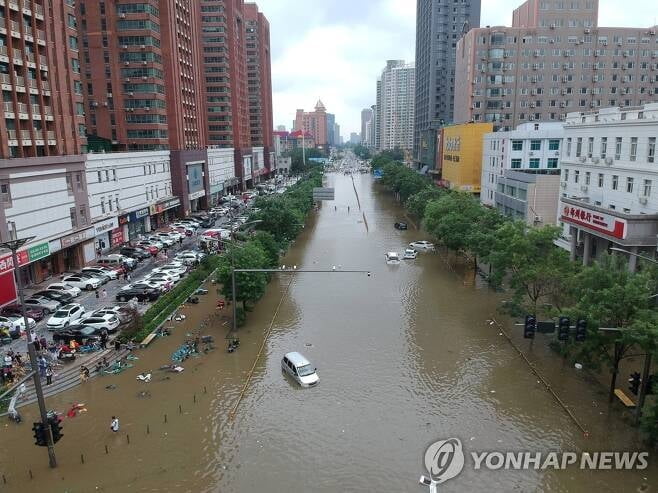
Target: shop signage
(596,221)
(453,144)
(54,245)
(38,251)
(78,237)
(105,226)
(163,206)
(124,219)
(7,263)
(137,215)
(116,236)
(197,195)
(194,178)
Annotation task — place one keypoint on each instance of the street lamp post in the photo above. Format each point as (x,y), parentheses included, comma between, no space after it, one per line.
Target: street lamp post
(14,244)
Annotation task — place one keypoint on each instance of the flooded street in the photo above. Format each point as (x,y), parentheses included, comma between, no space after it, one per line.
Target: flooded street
(405,357)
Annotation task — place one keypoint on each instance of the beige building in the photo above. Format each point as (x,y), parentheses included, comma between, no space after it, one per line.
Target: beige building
(552,61)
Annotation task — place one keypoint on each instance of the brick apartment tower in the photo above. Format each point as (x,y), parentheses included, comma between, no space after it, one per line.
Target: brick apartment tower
(40,76)
(555,59)
(225,74)
(314,123)
(259,81)
(142,68)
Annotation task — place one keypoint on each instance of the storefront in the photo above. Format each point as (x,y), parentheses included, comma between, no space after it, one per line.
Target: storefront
(102,229)
(216,192)
(137,222)
(164,212)
(117,237)
(196,191)
(76,251)
(34,267)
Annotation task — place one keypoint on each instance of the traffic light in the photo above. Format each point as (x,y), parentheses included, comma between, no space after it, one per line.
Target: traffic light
(581,330)
(39,434)
(634,382)
(55,428)
(564,325)
(530,327)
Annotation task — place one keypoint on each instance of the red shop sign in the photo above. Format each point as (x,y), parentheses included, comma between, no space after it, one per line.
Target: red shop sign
(596,221)
(7,264)
(116,236)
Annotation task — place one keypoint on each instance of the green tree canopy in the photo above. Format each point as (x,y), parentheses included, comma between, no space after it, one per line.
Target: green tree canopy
(250,286)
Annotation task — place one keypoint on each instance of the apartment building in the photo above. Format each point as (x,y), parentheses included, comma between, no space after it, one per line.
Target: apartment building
(40,79)
(141,66)
(555,59)
(439,25)
(609,177)
(366,122)
(395,106)
(314,123)
(259,83)
(533,147)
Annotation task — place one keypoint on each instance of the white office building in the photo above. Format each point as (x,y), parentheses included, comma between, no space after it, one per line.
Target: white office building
(130,193)
(609,179)
(534,147)
(395,106)
(221,172)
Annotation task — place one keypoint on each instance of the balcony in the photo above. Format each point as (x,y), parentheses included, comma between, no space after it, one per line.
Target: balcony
(12,134)
(4,50)
(22,108)
(45,85)
(30,57)
(41,35)
(5,79)
(17,54)
(20,81)
(47,110)
(25,135)
(43,60)
(8,106)
(15,26)
(38,10)
(50,134)
(36,109)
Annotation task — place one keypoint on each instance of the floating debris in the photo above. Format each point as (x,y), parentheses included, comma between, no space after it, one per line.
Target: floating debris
(143,394)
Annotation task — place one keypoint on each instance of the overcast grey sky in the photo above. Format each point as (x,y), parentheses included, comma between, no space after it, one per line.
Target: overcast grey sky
(334,50)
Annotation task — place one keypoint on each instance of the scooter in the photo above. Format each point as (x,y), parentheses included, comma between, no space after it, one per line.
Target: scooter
(233,345)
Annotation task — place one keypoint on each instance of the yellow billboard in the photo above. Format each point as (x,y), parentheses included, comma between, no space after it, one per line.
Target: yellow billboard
(461,163)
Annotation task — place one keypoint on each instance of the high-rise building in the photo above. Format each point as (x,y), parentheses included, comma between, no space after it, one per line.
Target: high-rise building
(314,123)
(142,71)
(553,60)
(366,118)
(338,139)
(395,106)
(374,131)
(42,90)
(355,138)
(439,25)
(331,129)
(259,79)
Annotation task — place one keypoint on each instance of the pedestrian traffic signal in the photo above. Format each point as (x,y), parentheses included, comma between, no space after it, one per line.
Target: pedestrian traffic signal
(55,428)
(530,327)
(634,382)
(564,325)
(39,434)
(581,330)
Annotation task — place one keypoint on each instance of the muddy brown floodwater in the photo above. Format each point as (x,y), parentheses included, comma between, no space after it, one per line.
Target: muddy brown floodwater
(405,357)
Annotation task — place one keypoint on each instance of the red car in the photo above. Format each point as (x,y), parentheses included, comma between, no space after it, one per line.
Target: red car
(15,311)
(152,249)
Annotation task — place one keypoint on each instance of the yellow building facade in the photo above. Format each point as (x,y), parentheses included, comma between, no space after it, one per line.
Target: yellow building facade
(461,156)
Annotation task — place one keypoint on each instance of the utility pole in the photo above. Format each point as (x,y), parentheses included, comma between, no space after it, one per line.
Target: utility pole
(643,387)
(14,244)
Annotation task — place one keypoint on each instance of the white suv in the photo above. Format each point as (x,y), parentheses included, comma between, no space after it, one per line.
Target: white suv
(65,316)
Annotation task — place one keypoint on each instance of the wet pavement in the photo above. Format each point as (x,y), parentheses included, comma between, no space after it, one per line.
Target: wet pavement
(405,357)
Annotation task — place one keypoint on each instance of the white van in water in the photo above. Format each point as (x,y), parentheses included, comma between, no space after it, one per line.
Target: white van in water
(299,368)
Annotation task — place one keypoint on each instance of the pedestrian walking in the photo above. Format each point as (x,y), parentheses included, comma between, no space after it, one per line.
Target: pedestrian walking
(104,337)
(125,274)
(180,241)
(84,373)
(114,424)
(43,365)
(103,294)
(37,344)
(97,293)
(49,375)
(128,276)
(117,345)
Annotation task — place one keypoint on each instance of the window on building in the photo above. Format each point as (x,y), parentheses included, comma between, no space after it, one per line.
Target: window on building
(569,146)
(576,176)
(554,145)
(579,146)
(566,175)
(604,147)
(590,146)
(600,180)
(551,163)
(517,145)
(69,182)
(633,155)
(618,141)
(114,175)
(629,184)
(107,175)
(102,205)
(615,182)
(534,163)
(83,216)
(535,145)
(100,178)
(5,195)
(74,218)
(78,181)
(516,163)
(588,176)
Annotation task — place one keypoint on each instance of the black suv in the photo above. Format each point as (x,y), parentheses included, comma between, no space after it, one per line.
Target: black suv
(400,225)
(142,294)
(82,334)
(134,252)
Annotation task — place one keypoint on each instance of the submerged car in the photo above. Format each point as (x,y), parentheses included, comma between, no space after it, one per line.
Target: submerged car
(422,245)
(300,369)
(410,254)
(400,225)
